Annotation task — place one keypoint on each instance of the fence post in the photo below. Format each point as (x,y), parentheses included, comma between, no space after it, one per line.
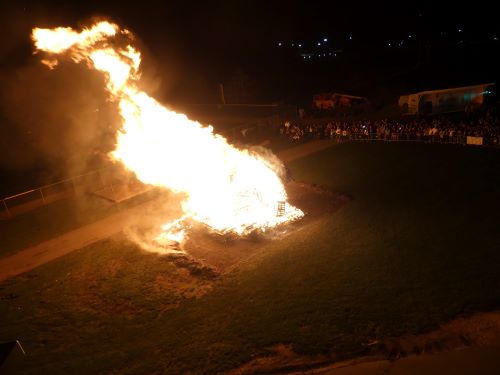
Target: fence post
(6,208)
(41,193)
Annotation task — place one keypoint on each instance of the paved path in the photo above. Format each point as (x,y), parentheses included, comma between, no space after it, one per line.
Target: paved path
(32,257)
(46,251)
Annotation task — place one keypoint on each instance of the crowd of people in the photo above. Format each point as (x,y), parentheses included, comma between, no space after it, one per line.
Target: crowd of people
(453,128)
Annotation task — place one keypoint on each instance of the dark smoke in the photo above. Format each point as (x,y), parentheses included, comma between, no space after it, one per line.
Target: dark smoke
(60,118)
(53,123)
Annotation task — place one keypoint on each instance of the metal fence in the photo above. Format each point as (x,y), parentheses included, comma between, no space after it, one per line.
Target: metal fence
(92,182)
(271,127)
(395,137)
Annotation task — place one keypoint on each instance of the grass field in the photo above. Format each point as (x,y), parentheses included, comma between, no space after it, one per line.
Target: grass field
(417,246)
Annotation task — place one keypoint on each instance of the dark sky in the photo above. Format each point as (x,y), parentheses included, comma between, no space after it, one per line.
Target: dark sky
(195,44)
(223,30)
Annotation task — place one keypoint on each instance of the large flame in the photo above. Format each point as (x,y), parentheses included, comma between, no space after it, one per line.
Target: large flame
(228,189)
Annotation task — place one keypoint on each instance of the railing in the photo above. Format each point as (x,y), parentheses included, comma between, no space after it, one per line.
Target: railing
(91,182)
(395,137)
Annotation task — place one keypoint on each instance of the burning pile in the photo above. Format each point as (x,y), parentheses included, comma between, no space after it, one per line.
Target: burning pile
(228,189)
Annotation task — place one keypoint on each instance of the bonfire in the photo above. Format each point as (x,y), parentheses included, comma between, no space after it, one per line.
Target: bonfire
(228,189)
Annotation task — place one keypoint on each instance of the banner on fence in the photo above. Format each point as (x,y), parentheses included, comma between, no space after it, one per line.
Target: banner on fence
(474,140)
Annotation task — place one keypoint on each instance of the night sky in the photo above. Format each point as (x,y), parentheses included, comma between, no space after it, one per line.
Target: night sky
(192,46)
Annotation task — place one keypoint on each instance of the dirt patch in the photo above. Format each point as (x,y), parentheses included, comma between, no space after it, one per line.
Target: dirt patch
(191,279)
(184,286)
(280,359)
(190,266)
(110,288)
(478,330)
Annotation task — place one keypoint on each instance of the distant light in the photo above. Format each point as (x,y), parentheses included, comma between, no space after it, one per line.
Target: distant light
(325,40)
(495,38)
(334,55)
(459,30)
(350,37)
(389,44)
(279,44)
(293,44)
(300,45)
(324,54)
(319,43)
(330,54)
(410,36)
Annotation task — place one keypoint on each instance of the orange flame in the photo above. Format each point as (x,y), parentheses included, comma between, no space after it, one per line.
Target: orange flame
(228,189)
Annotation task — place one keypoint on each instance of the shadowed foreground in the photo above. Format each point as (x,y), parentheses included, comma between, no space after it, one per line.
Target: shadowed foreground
(416,246)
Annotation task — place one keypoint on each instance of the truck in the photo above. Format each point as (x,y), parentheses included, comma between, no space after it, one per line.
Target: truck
(445,100)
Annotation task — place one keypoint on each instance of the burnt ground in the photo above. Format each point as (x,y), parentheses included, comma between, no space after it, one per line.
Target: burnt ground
(207,255)
(223,252)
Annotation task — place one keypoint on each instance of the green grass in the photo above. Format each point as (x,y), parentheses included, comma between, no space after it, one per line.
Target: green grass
(417,245)
(56,218)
